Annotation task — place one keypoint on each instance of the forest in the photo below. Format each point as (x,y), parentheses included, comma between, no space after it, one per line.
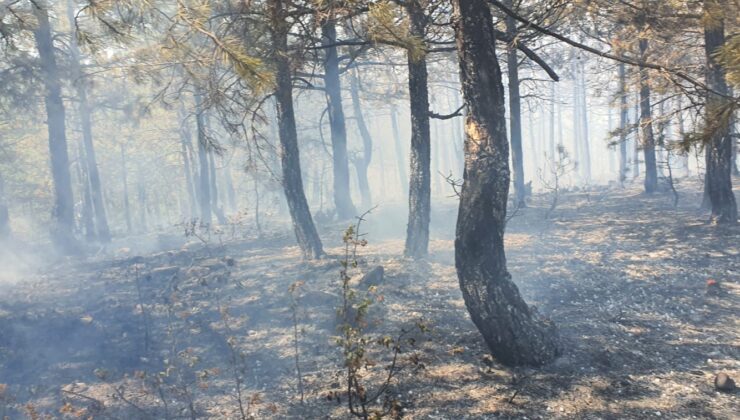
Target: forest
(372,209)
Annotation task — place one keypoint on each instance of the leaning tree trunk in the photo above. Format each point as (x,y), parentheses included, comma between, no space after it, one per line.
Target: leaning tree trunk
(515,108)
(62,230)
(719,147)
(512,330)
(305,230)
(417,230)
(646,123)
(342,199)
(362,163)
(623,117)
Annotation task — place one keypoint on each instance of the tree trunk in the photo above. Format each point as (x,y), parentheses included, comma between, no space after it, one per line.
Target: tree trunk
(551,128)
(582,89)
(186,143)
(305,230)
(719,146)
(215,207)
(88,224)
(361,163)
(62,220)
(96,191)
(204,183)
(342,198)
(646,124)
(636,140)
(417,231)
(515,108)
(4,216)
(623,121)
(124,177)
(400,161)
(513,331)
(230,191)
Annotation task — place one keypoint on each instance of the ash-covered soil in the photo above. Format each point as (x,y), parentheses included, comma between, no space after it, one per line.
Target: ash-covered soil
(646,298)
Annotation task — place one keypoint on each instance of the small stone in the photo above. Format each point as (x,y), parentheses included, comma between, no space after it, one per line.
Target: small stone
(722,382)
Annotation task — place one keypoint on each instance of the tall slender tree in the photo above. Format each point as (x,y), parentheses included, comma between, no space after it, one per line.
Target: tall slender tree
(646,122)
(332,86)
(718,119)
(417,231)
(362,161)
(63,211)
(80,80)
(305,230)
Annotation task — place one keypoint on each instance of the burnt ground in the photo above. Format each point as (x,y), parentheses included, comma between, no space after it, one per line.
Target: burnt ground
(183,332)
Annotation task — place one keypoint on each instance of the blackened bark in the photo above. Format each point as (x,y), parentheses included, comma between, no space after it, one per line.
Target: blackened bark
(204,183)
(400,161)
(646,124)
(332,85)
(417,230)
(513,331)
(63,212)
(305,230)
(515,108)
(362,163)
(719,147)
(623,117)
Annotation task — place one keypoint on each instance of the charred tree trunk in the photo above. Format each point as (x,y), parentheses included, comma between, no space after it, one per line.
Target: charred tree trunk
(204,183)
(417,231)
(362,163)
(623,117)
(719,146)
(62,220)
(512,330)
(646,124)
(91,162)
(515,108)
(305,230)
(342,198)
(400,161)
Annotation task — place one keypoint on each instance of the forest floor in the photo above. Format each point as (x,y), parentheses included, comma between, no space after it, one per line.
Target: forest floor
(183,332)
